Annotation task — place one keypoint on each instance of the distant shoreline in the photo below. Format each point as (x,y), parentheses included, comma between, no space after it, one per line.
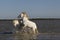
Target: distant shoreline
(33,19)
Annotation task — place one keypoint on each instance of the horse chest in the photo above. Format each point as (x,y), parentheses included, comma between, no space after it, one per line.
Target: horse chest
(27,23)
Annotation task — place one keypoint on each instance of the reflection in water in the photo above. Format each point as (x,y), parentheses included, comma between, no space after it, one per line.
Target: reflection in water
(41,36)
(24,34)
(15,37)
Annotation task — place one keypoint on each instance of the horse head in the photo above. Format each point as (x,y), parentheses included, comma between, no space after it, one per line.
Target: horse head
(15,22)
(24,14)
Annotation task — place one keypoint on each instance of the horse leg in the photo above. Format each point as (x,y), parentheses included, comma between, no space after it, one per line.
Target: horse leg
(24,26)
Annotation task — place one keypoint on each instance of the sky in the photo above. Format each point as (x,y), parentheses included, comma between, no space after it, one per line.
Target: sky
(34,8)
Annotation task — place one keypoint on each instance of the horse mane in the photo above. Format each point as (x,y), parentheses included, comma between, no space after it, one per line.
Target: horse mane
(25,14)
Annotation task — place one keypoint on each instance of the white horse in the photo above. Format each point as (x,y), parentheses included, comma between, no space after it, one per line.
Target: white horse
(15,22)
(18,25)
(28,23)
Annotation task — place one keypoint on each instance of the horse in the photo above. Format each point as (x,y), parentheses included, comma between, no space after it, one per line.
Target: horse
(15,22)
(18,25)
(28,23)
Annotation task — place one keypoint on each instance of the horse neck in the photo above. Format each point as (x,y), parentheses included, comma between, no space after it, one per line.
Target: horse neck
(25,19)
